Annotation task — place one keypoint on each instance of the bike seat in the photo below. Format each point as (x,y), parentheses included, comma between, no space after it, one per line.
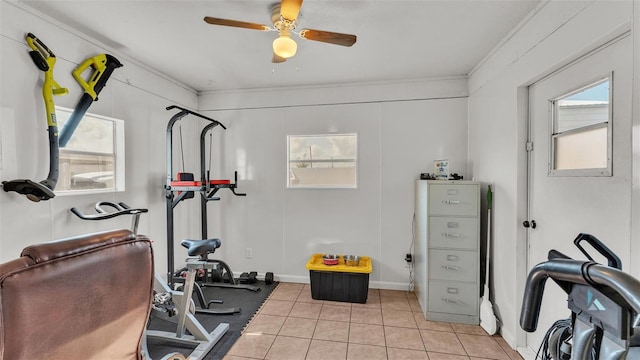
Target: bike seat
(201,247)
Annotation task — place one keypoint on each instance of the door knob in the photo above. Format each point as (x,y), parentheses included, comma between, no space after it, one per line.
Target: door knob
(531,224)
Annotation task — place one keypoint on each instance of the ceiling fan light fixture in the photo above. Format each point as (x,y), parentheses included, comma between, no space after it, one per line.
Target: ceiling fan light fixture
(284,17)
(284,46)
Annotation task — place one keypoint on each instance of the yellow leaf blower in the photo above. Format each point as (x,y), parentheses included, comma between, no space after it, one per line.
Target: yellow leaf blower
(103,66)
(44,59)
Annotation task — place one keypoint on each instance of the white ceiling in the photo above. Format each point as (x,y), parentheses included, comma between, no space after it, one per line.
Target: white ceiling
(397,40)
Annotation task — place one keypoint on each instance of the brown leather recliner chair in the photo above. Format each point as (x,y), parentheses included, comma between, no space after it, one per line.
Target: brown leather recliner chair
(86,297)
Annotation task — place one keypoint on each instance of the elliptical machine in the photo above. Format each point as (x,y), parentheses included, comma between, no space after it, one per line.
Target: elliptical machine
(604,303)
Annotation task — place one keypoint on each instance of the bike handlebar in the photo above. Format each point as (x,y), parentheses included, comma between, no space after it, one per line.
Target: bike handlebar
(121,209)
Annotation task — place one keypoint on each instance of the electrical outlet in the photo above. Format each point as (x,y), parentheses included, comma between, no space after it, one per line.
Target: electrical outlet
(408,261)
(249,253)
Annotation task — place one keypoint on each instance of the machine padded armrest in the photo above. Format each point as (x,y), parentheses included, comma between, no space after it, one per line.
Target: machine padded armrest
(75,245)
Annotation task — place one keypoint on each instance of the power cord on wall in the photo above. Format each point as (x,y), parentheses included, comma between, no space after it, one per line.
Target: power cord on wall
(409,257)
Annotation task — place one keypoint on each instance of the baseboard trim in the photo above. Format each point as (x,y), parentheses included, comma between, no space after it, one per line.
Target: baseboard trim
(526,353)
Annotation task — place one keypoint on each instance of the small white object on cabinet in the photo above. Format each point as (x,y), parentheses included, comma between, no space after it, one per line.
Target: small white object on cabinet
(447,250)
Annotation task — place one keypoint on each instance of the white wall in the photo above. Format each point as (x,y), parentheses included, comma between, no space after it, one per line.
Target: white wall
(402,128)
(133,93)
(556,32)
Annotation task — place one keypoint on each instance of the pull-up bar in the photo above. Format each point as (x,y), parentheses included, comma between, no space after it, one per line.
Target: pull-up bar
(183,112)
(187,111)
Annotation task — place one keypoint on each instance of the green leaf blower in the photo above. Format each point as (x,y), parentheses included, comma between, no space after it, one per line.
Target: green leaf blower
(44,59)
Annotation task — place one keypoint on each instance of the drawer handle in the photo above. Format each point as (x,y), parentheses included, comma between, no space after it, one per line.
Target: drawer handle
(452,257)
(451,202)
(451,267)
(451,301)
(454,235)
(452,225)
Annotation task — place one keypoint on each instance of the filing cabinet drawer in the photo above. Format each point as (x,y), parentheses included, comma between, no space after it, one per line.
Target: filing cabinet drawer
(453,265)
(455,233)
(453,199)
(453,298)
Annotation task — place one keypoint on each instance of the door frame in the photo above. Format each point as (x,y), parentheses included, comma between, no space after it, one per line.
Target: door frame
(524,125)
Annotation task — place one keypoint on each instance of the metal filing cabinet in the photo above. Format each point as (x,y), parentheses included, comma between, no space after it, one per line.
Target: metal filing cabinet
(447,250)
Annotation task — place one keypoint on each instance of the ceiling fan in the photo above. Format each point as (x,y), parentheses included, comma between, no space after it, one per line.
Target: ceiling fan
(284,19)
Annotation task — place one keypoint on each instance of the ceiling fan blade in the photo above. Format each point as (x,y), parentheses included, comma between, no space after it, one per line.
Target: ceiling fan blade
(328,37)
(277,59)
(289,9)
(235,23)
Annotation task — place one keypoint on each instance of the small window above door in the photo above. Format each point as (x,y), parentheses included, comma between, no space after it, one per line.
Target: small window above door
(582,131)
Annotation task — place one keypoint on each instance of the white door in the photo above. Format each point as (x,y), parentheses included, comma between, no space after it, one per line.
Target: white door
(564,203)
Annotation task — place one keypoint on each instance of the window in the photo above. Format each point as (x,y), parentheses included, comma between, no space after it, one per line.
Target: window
(318,161)
(581,138)
(93,159)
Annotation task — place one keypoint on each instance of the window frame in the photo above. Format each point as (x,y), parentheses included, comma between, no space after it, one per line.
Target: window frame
(118,156)
(288,185)
(553,134)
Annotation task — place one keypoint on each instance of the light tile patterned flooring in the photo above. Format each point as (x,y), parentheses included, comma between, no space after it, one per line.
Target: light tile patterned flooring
(291,325)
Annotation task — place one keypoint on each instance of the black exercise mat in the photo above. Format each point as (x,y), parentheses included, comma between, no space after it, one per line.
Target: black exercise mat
(248,301)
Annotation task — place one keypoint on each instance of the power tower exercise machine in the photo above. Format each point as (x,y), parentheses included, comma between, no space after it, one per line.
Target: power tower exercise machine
(183,187)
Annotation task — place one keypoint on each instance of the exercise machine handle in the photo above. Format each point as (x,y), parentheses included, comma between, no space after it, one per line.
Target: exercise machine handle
(121,209)
(187,111)
(624,288)
(612,259)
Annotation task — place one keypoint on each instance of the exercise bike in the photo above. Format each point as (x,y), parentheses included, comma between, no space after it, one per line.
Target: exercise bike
(189,330)
(604,303)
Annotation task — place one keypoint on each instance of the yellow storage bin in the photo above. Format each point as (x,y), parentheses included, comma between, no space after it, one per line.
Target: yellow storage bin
(316,263)
(339,282)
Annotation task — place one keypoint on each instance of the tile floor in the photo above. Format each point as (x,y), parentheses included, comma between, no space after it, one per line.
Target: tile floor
(291,325)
